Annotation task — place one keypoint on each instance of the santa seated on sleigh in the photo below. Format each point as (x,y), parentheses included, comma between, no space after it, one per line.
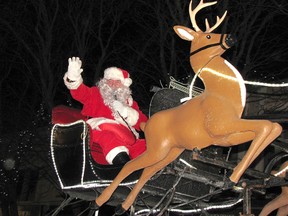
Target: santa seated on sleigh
(110,111)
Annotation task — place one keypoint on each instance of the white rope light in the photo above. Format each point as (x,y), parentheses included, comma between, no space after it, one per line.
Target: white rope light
(285,169)
(189,211)
(187,164)
(194,91)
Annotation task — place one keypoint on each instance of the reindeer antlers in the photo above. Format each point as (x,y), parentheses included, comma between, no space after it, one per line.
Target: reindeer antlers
(193,13)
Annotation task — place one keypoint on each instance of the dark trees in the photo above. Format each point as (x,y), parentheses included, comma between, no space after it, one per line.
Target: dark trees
(37,38)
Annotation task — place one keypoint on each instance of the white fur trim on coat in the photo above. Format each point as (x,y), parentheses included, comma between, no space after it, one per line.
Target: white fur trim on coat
(127,82)
(72,84)
(115,73)
(96,122)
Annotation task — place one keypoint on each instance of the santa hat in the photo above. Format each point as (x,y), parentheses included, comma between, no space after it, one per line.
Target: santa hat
(115,73)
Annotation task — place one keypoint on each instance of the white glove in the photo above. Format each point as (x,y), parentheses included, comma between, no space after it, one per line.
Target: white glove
(72,84)
(74,69)
(96,122)
(129,114)
(73,78)
(120,108)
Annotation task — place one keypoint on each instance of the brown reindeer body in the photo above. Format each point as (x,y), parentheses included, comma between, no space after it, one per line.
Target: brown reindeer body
(198,123)
(212,118)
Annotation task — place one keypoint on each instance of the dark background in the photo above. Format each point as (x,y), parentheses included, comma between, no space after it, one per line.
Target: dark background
(37,38)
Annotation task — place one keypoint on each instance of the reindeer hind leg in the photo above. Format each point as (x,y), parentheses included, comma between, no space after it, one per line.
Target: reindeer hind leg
(148,172)
(147,159)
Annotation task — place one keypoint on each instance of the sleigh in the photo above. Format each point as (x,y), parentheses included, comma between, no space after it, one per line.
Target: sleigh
(191,185)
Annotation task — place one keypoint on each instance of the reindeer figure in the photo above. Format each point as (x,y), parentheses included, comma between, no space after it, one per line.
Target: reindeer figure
(212,118)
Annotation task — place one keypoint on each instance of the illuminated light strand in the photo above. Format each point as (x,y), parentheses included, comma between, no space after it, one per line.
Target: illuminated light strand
(147,211)
(285,169)
(83,137)
(273,85)
(187,164)
(276,85)
(189,211)
(194,91)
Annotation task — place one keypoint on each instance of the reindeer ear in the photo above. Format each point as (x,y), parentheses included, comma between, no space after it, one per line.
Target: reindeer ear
(185,33)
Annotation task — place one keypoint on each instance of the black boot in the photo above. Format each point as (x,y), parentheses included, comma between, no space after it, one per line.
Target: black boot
(119,210)
(93,208)
(227,183)
(121,158)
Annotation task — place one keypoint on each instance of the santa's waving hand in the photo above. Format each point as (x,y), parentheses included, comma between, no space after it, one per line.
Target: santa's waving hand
(72,77)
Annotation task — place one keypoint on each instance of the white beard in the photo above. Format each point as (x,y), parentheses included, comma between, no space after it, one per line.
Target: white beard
(110,94)
(122,94)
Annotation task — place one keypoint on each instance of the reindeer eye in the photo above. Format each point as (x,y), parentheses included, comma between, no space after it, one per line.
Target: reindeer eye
(208,36)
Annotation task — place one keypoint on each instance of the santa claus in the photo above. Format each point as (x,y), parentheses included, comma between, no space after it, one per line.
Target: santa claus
(111,112)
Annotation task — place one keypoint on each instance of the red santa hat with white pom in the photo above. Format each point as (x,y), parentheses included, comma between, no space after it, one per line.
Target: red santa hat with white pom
(115,73)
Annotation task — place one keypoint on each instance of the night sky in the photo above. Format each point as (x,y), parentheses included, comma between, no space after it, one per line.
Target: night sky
(38,37)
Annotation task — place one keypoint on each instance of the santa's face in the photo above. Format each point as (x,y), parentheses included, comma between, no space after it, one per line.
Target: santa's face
(112,90)
(114,84)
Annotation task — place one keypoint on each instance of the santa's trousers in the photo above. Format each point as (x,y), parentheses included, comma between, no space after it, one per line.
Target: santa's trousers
(105,145)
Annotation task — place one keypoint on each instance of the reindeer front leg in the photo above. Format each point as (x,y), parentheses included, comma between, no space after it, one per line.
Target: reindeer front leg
(226,128)
(265,133)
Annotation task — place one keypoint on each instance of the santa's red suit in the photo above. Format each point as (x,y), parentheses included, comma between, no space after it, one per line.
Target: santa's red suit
(114,122)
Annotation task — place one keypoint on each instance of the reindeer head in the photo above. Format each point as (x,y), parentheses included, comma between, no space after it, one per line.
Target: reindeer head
(204,42)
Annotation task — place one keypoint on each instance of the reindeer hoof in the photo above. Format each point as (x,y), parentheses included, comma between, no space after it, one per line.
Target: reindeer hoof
(94,206)
(227,183)
(94,209)
(119,210)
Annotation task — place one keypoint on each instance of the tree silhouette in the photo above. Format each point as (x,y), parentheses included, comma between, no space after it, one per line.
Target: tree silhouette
(261,49)
(37,38)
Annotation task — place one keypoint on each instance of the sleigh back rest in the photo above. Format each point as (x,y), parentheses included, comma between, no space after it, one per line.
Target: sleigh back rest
(64,114)
(68,152)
